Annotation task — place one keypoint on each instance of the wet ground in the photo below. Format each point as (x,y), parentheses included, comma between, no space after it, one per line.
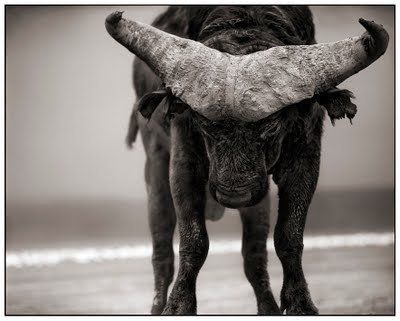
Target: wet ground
(342,280)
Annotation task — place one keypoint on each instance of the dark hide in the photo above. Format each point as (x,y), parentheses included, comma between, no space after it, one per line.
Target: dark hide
(187,155)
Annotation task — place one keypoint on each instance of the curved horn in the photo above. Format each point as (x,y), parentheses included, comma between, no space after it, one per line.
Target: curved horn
(190,69)
(332,63)
(294,73)
(253,86)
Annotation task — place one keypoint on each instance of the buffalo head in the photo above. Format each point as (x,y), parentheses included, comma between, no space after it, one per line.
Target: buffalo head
(236,97)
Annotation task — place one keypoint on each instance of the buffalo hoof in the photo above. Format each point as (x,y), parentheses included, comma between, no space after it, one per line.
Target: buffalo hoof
(268,309)
(184,305)
(302,310)
(297,302)
(158,307)
(268,305)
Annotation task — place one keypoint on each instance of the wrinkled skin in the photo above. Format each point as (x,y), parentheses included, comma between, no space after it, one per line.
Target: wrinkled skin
(238,171)
(187,155)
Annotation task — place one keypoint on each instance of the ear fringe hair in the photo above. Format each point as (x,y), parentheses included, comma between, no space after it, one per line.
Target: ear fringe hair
(146,105)
(133,128)
(161,104)
(337,103)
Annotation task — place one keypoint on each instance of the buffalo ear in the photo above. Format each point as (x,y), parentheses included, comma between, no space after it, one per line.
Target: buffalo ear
(163,99)
(177,106)
(338,104)
(132,129)
(149,102)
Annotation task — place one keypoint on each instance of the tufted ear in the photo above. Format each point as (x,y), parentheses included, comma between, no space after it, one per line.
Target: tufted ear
(149,102)
(177,106)
(146,106)
(338,104)
(162,99)
(133,128)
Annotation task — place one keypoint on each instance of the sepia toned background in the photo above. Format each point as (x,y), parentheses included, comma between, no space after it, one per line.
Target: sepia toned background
(72,183)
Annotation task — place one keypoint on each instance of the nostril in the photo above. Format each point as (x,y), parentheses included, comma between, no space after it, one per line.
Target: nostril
(244,188)
(235,189)
(233,201)
(225,189)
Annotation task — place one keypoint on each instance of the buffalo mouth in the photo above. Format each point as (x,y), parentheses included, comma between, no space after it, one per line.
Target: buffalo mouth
(233,200)
(236,198)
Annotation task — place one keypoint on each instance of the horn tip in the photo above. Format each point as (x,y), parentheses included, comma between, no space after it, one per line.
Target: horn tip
(366,23)
(114,17)
(371,25)
(378,32)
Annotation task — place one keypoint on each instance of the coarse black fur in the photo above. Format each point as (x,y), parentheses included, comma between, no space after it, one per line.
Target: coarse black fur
(193,162)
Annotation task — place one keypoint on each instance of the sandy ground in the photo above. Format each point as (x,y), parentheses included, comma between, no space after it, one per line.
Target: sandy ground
(351,280)
(342,281)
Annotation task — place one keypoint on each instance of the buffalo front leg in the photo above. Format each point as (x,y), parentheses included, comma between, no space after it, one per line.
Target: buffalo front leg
(255,221)
(162,222)
(188,180)
(295,194)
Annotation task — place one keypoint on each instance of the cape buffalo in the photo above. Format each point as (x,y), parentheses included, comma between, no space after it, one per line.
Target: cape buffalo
(229,95)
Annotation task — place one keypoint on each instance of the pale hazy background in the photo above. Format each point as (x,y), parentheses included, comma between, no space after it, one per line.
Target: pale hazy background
(69,96)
